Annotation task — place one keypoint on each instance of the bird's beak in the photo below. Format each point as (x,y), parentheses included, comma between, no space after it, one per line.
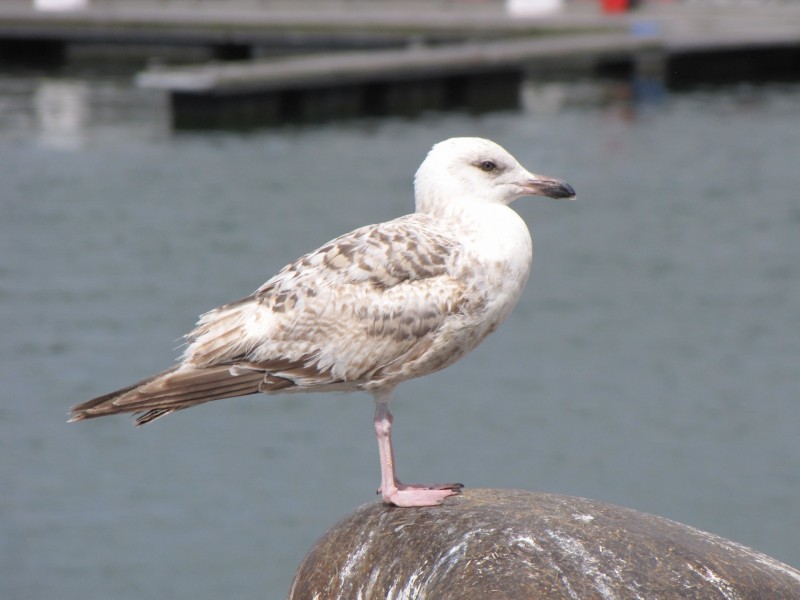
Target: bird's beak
(539,185)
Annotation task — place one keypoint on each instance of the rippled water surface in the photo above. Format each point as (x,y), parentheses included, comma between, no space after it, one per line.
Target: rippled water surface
(652,362)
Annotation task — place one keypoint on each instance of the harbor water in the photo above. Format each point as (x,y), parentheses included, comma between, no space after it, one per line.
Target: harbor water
(653,361)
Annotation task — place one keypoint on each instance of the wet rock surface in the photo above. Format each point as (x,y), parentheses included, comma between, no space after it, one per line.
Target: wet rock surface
(490,543)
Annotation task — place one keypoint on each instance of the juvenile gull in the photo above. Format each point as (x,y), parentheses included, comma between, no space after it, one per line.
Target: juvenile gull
(369,309)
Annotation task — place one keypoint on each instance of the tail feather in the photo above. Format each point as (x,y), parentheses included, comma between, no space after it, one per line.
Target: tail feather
(83,410)
(171,390)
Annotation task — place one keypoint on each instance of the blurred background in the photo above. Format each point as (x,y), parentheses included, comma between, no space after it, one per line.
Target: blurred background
(652,361)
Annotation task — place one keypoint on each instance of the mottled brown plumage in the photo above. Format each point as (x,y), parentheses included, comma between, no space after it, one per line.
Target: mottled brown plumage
(369,309)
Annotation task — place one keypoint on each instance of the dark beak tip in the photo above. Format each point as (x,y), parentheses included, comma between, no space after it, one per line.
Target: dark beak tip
(549,187)
(567,191)
(553,188)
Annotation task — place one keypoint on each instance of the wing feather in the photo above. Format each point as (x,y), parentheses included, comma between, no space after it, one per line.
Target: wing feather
(361,301)
(345,315)
(171,390)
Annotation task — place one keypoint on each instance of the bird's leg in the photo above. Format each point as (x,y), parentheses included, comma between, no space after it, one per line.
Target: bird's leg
(392,490)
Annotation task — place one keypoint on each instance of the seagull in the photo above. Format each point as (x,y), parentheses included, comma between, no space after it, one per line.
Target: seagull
(371,308)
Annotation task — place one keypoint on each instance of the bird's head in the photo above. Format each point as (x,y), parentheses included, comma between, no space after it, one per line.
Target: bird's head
(478,170)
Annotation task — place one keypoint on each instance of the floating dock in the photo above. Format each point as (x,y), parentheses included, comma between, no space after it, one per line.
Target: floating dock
(475,75)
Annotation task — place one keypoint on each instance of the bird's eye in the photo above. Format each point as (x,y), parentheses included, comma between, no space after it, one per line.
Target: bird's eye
(488,166)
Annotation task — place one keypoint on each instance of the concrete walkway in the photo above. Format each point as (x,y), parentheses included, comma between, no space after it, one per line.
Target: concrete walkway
(688,22)
(384,23)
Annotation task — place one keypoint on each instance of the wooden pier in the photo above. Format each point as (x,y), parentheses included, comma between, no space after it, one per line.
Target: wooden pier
(273,64)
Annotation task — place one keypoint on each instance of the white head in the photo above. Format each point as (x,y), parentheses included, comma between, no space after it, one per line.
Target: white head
(464,170)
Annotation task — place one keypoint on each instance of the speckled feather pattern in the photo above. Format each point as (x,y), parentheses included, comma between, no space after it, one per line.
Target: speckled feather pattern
(381,304)
(348,310)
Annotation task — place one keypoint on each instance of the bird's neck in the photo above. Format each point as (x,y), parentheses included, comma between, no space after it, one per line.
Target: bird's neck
(452,206)
(492,232)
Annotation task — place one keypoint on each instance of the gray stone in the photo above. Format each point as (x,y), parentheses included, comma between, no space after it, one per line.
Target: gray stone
(511,544)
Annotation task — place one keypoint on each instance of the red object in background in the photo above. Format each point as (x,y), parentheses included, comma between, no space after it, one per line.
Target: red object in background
(614,6)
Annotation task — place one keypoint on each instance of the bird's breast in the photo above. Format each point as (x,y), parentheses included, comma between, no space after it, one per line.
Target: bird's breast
(494,266)
(498,250)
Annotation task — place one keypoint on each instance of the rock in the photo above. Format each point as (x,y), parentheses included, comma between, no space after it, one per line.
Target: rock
(511,544)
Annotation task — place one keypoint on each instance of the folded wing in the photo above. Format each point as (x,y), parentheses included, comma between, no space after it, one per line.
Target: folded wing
(336,318)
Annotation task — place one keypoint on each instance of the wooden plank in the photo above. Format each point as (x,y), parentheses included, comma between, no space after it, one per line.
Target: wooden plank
(348,68)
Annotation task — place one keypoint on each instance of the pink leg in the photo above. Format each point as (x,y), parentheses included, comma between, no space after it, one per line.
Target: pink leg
(393,491)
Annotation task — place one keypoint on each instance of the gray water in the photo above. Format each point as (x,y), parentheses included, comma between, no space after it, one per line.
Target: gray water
(652,362)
